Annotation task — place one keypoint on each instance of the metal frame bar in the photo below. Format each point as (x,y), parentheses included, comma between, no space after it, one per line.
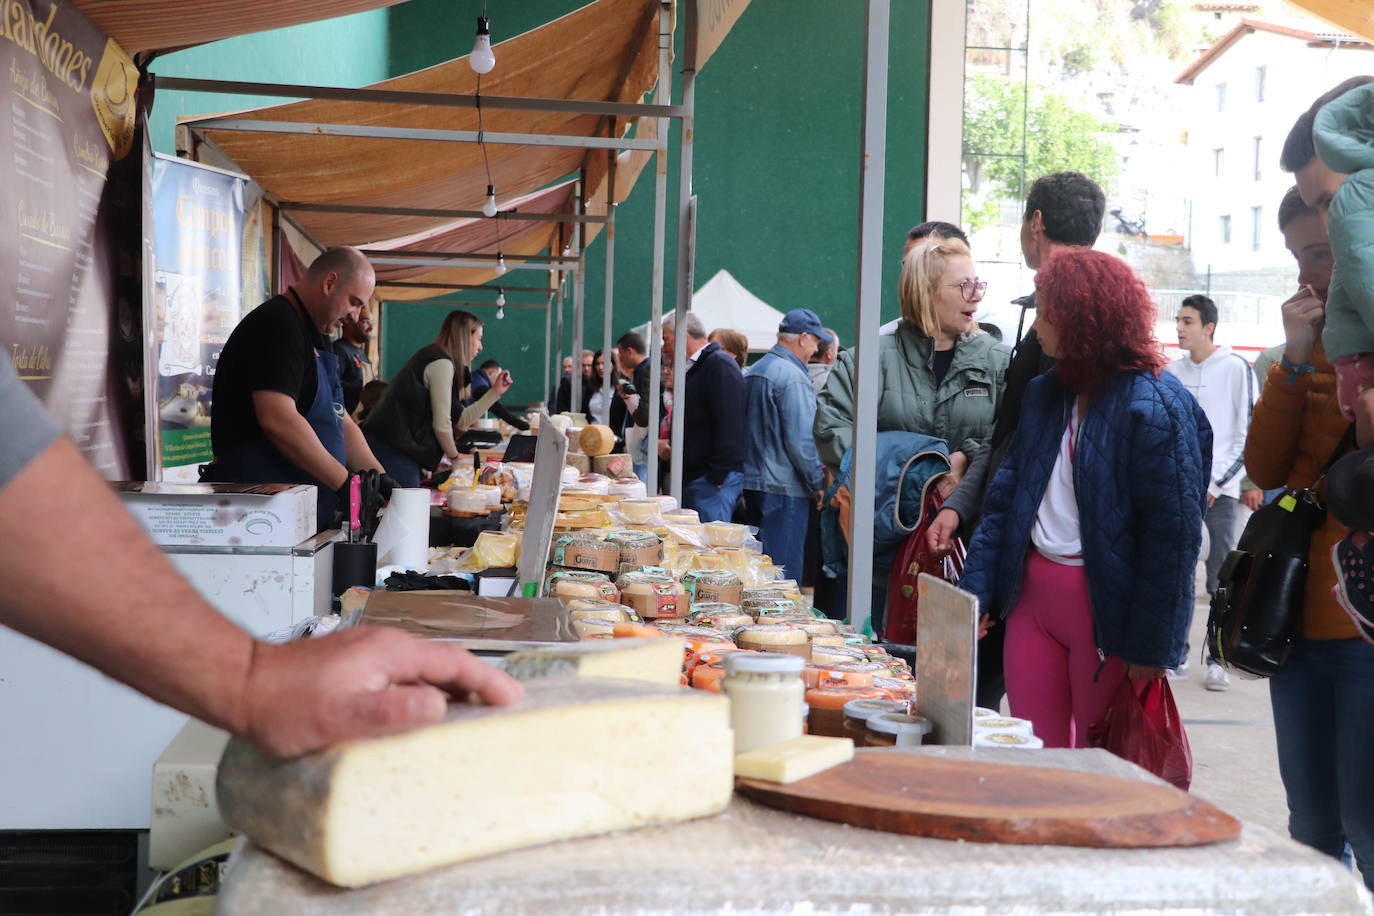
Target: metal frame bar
(686,246)
(872,182)
(514,215)
(579,280)
(608,303)
(662,95)
(373,132)
(548,340)
(461,286)
(548,260)
(461,262)
(479,303)
(402,97)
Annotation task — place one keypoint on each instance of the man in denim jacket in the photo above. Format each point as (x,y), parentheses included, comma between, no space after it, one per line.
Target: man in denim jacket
(782,473)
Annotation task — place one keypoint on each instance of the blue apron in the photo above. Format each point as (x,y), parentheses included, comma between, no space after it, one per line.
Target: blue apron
(260,461)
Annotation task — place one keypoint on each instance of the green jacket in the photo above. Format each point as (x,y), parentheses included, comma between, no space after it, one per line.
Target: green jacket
(961,411)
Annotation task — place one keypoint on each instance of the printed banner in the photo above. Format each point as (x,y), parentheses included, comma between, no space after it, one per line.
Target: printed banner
(198,225)
(69,222)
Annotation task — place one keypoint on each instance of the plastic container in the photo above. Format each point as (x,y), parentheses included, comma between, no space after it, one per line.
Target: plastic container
(857,712)
(767,698)
(891,729)
(825,708)
(1007,739)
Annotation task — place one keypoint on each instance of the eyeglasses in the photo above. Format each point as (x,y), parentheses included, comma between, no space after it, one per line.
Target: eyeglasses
(971,289)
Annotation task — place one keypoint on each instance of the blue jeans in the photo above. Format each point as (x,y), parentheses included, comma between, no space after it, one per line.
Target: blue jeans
(782,528)
(403,469)
(713,504)
(1323,701)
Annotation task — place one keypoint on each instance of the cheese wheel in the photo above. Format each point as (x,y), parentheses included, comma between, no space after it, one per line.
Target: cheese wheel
(596,440)
(656,660)
(829,655)
(637,548)
(591,608)
(775,638)
(725,534)
(834,639)
(576,583)
(713,586)
(585,551)
(467,499)
(595,626)
(841,674)
(640,511)
(633,630)
(902,690)
(728,618)
(487,779)
(627,488)
(665,503)
(682,517)
(815,626)
(616,465)
(655,597)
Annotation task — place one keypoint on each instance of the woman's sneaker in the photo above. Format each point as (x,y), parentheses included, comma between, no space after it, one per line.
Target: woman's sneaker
(1217,678)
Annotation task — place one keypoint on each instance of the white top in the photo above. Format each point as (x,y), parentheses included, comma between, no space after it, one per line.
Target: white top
(1224,386)
(1057,533)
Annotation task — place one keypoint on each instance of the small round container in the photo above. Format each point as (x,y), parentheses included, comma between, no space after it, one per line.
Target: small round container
(857,712)
(891,729)
(982,712)
(775,638)
(825,708)
(1007,739)
(767,698)
(1007,725)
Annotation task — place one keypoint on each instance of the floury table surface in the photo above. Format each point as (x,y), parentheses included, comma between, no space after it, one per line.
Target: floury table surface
(752,859)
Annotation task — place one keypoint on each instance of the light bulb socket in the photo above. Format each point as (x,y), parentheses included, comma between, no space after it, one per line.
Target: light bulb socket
(483,25)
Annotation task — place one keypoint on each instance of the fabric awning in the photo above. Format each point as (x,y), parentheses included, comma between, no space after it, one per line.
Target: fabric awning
(606,51)
(1355,16)
(166,25)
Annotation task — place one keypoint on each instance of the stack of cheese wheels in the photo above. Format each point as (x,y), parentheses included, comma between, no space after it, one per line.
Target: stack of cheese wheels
(596,440)
(653,594)
(720,615)
(830,655)
(638,548)
(775,637)
(584,608)
(713,586)
(578,583)
(585,551)
(627,488)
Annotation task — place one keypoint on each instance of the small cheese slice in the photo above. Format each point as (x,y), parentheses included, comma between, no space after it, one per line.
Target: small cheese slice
(795,759)
(567,761)
(658,661)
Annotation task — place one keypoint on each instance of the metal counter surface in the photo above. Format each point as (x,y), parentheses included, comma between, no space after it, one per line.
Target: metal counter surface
(752,859)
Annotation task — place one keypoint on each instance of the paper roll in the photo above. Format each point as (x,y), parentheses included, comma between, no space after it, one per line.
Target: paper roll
(403,535)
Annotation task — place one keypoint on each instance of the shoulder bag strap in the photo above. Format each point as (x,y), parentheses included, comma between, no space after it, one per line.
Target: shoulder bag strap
(1347,442)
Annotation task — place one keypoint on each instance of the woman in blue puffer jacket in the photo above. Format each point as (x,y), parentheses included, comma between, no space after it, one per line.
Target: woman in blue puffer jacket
(1090,537)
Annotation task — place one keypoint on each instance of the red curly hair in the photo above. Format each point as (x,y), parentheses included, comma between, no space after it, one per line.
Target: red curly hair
(1103,315)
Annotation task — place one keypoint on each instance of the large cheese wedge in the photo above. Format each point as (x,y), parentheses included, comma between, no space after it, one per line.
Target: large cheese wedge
(568,761)
(656,660)
(596,440)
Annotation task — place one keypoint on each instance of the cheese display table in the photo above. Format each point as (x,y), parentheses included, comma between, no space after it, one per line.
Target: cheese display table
(753,859)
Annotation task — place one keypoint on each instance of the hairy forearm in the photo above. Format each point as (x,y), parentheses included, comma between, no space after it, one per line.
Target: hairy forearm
(293,436)
(117,604)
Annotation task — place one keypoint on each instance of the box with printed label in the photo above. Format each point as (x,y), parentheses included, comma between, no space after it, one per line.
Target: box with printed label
(221,514)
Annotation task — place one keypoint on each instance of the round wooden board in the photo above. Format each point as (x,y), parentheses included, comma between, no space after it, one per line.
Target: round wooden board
(982,802)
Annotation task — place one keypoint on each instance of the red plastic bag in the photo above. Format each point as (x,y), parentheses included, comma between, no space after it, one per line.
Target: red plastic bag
(1143,726)
(914,558)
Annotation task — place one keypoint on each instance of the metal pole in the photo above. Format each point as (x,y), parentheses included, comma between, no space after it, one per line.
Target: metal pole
(872,179)
(608,306)
(277,241)
(579,279)
(508,215)
(663,95)
(558,346)
(381,132)
(686,249)
(548,341)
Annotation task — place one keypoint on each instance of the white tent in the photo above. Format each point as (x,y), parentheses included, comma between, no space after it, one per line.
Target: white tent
(724,303)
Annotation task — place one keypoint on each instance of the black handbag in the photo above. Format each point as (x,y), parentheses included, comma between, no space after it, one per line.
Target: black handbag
(1256,611)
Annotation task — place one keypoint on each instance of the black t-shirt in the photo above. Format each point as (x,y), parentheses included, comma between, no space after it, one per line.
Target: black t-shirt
(941,363)
(271,349)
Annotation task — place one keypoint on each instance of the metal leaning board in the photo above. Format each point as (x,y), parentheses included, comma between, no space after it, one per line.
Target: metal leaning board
(946,660)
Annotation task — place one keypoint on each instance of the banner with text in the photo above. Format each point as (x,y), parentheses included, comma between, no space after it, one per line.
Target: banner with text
(198,224)
(67,317)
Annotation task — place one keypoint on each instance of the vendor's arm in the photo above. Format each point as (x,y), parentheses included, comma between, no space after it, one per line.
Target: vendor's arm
(132,616)
(293,436)
(474,411)
(356,450)
(439,384)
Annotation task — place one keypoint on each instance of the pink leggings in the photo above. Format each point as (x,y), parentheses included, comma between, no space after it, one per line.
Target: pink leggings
(1051,655)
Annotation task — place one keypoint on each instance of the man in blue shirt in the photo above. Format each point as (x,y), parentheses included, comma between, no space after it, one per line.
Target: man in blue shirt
(782,472)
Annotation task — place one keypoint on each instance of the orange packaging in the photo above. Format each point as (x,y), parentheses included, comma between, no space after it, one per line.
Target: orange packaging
(900,689)
(707,677)
(626,630)
(842,674)
(825,707)
(711,653)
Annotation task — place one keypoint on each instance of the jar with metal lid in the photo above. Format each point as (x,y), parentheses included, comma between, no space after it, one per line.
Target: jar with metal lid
(767,698)
(892,729)
(858,712)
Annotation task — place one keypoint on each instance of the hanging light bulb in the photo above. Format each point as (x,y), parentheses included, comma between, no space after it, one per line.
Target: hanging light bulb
(500,304)
(500,264)
(482,60)
(489,208)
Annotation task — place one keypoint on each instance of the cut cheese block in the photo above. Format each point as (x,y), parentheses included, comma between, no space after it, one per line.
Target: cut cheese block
(656,660)
(596,440)
(568,761)
(798,758)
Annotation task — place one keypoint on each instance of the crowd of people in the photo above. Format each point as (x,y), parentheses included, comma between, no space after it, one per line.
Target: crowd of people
(1082,470)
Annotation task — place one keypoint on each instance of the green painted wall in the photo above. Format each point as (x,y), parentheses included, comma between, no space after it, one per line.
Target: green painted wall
(348,51)
(776,173)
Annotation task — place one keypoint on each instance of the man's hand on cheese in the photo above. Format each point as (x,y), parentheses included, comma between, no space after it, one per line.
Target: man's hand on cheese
(312,693)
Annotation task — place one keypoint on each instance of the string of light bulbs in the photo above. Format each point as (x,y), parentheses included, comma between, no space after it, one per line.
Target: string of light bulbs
(483,60)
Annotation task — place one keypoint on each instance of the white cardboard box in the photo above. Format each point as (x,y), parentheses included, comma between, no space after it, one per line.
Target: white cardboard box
(221,514)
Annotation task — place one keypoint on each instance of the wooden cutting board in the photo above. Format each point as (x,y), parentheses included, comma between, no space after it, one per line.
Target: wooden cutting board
(997,803)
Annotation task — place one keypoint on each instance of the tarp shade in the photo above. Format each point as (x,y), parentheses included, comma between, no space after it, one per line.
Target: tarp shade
(725,303)
(607,51)
(1355,16)
(166,25)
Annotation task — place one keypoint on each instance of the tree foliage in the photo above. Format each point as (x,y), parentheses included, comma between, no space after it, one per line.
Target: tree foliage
(1058,136)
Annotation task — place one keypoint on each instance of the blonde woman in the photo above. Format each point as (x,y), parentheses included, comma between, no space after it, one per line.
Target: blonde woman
(411,428)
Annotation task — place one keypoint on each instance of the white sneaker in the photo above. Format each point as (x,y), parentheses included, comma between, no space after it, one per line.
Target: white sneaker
(1217,678)
(1180,673)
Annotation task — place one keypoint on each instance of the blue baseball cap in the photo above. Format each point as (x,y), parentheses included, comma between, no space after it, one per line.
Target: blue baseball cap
(802,321)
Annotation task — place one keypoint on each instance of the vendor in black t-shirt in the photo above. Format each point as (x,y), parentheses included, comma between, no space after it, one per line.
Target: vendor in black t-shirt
(277,413)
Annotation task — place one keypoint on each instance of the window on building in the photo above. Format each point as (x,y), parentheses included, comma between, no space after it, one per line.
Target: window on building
(1221,96)
(1218,160)
(1259,146)
(1226,229)
(1256,227)
(1259,83)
